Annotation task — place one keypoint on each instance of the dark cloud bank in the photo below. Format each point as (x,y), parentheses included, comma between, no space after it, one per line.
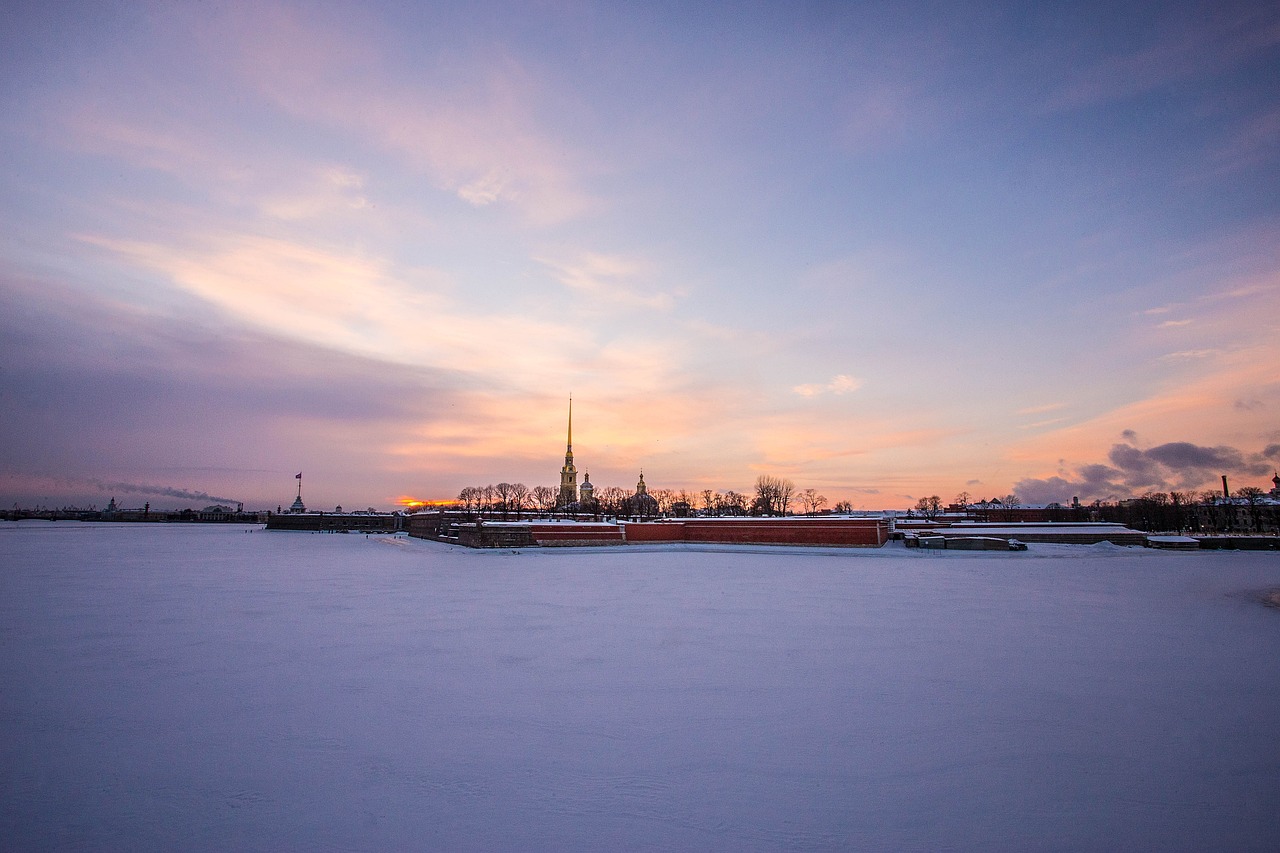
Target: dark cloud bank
(92,393)
(1130,470)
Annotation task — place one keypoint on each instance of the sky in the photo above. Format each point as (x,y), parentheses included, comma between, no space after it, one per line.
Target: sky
(884,250)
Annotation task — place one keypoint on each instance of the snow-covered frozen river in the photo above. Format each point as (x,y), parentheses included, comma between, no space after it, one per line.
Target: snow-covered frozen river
(216,688)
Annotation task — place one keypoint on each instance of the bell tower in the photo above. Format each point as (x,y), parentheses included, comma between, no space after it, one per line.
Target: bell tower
(568,474)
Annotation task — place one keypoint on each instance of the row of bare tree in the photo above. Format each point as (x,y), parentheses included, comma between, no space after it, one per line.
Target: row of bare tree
(1248,510)
(931,506)
(773,496)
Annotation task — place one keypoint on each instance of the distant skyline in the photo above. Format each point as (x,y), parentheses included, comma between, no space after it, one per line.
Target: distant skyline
(885,250)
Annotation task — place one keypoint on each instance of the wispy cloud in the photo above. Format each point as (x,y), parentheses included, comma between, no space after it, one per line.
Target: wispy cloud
(475,134)
(1036,410)
(1184,355)
(1180,47)
(484,190)
(350,300)
(609,279)
(840,384)
(1249,145)
(321,191)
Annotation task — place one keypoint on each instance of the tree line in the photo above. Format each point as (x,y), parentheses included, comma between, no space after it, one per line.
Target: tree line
(772,496)
(1247,510)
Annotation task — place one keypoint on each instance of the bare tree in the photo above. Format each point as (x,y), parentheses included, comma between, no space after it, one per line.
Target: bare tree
(766,495)
(519,498)
(1179,501)
(773,495)
(843,507)
(544,498)
(807,496)
(962,501)
(929,507)
(812,501)
(786,491)
(502,497)
(1252,496)
(710,501)
(733,503)
(612,500)
(469,500)
(664,497)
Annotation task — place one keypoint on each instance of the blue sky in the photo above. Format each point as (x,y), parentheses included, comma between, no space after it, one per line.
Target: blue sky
(884,250)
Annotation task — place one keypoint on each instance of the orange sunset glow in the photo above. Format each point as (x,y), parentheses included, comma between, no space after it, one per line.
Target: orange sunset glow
(418,503)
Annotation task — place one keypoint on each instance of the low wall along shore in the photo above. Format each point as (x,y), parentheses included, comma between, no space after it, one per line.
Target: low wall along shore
(840,532)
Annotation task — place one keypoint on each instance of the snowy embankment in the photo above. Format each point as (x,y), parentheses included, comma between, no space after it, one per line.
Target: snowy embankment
(207,687)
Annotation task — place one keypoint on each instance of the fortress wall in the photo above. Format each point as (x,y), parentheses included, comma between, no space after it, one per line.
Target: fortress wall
(845,532)
(852,532)
(848,532)
(576,534)
(650,531)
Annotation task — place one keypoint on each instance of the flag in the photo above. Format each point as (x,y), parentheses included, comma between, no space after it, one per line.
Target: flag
(298,476)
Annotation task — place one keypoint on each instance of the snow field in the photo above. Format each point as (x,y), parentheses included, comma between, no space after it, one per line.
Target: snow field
(211,688)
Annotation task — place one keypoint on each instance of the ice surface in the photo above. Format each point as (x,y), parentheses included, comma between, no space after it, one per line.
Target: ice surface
(216,688)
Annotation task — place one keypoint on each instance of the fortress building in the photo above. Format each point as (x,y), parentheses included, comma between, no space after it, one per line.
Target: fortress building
(568,474)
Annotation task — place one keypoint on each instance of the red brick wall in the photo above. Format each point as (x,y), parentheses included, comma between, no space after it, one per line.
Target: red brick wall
(790,532)
(761,531)
(575,534)
(648,531)
(862,532)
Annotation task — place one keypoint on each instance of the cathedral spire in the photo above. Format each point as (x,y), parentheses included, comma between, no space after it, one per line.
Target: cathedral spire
(568,474)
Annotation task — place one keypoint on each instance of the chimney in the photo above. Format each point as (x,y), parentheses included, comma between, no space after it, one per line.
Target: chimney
(1226,493)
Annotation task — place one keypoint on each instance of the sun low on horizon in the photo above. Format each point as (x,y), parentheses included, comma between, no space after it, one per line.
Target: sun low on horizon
(881,250)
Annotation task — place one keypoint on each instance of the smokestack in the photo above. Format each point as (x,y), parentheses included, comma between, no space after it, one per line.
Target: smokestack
(1226,493)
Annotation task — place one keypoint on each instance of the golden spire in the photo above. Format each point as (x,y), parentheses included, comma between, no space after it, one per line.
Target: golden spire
(569,474)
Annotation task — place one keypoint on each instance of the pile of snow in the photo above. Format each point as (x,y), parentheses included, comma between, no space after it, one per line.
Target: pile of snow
(214,687)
